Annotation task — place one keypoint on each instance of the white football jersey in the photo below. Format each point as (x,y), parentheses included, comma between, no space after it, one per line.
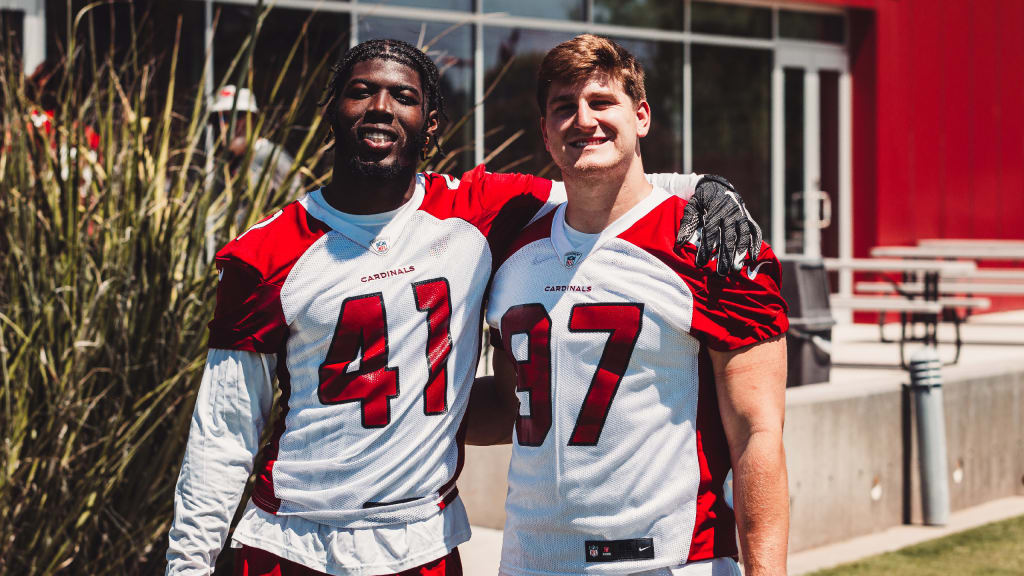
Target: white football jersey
(619,455)
(377,338)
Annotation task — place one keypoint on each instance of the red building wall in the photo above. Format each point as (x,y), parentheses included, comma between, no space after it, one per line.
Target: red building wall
(938,118)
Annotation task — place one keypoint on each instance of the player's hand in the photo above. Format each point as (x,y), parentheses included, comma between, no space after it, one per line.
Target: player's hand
(718,223)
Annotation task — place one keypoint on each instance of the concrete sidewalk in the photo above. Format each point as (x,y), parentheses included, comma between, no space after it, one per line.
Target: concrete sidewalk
(481,555)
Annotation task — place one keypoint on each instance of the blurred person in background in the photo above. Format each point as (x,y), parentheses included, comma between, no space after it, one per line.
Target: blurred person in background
(265,156)
(43,89)
(363,300)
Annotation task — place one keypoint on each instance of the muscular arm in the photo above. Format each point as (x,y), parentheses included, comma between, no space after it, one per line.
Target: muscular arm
(233,403)
(493,405)
(751,385)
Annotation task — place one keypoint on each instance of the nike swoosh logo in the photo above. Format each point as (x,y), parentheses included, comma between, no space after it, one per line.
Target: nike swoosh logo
(642,548)
(753,273)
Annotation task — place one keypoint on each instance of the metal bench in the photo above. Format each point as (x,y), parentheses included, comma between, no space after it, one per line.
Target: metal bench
(911,311)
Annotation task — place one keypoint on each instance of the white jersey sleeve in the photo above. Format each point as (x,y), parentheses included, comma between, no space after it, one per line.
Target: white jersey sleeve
(233,404)
(682,185)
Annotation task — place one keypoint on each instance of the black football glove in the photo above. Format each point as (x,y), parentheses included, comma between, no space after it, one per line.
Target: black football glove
(716,220)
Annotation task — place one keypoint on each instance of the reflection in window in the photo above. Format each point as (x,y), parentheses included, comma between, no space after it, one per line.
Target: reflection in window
(552,9)
(663,66)
(640,13)
(812,26)
(732,121)
(451,48)
(793,120)
(321,37)
(730,19)
(12,27)
(463,5)
(512,57)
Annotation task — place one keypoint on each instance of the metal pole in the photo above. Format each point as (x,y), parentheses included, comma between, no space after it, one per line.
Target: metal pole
(34,36)
(926,388)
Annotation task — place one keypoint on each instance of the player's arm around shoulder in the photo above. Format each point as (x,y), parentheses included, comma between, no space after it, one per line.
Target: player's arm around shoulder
(493,405)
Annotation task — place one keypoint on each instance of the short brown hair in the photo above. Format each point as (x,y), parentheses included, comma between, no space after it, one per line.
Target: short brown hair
(575,60)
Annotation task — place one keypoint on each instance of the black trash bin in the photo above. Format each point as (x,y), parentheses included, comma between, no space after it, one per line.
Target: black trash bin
(809,339)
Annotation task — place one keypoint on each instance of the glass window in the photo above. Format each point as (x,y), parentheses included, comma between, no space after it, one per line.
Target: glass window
(512,56)
(553,9)
(732,121)
(793,120)
(451,47)
(12,27)
(730,19)
(321,37)
(812,26)
(640,13)
(436,4)
(663,67)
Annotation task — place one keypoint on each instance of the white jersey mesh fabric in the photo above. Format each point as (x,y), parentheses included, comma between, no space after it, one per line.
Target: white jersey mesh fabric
(335,465)
(640,479)
(619,454)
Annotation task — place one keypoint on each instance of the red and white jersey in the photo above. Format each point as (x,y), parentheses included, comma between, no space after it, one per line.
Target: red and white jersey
(377,337)
(619,455)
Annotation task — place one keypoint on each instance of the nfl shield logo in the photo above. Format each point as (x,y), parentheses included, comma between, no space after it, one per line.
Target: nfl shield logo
(571,258)
(592,551)
(380,246)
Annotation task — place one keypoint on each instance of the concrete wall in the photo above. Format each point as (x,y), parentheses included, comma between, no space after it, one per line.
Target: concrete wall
(852,457)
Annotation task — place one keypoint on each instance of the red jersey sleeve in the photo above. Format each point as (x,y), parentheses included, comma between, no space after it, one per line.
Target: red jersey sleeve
(253,268)
(741,309)
(248,315)
(728,312)
(499,205)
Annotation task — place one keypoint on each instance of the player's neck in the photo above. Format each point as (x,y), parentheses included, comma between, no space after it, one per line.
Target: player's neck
(355,193)
(598,198)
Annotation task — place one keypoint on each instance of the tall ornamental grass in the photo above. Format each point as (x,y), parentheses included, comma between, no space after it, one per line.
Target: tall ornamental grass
(106,289)
(106,285)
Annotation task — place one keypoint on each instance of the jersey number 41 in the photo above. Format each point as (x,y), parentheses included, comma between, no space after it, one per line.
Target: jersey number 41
(362,325)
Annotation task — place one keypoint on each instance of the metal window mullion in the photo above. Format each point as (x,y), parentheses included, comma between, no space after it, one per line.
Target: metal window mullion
(687,96)
(33,41)
(208,80)
(812,162)
(687,110)
(778,211)
(845,178)
(353,26)
(478,85)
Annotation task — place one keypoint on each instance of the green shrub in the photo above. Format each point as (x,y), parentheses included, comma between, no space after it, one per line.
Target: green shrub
(106,289)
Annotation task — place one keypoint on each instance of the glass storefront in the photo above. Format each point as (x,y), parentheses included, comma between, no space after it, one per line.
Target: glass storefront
(721,100)
(732,126)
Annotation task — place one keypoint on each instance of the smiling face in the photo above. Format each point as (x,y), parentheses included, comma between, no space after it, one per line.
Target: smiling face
(381,119)
(593,126)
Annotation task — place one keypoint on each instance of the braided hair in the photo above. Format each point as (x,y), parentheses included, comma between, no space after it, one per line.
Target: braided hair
(396,51)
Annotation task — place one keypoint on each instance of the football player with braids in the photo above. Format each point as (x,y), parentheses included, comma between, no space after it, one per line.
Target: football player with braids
(643,376)
(363,300)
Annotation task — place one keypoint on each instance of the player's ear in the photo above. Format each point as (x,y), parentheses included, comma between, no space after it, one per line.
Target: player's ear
(432,123)
(643,118)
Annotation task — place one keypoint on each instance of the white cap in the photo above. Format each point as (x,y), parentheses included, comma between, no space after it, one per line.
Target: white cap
(225,100)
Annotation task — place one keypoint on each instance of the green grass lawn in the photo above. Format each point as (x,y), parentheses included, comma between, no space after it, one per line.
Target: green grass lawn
(992,550)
